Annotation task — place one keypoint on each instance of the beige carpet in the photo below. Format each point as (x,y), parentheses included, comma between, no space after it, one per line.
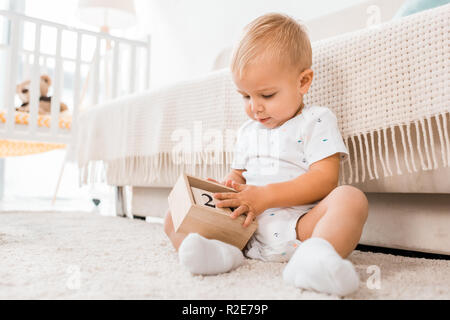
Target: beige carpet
(88,256)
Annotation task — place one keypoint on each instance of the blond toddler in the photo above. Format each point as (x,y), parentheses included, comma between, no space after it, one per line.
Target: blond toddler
(285,169)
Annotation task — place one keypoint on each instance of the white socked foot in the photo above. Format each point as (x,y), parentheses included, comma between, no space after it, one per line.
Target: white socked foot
(205,256)
(316,265)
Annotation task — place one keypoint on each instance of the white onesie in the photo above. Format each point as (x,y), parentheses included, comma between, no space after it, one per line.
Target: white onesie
(278,155)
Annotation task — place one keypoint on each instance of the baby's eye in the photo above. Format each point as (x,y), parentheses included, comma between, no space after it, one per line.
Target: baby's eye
(268,96)
(245,97)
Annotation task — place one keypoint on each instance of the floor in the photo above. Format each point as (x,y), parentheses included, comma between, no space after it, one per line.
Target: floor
(86,255)
(23,204)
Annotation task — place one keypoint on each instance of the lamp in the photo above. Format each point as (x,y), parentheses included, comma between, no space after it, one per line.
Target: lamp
(107,14)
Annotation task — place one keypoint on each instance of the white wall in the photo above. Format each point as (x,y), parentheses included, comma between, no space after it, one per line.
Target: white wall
(368,13)
(188,35)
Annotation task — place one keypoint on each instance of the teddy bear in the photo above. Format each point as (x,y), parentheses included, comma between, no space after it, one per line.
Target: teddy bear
(23,90)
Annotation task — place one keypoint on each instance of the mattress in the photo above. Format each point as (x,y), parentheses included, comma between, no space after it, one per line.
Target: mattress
(23,118)
(13,148)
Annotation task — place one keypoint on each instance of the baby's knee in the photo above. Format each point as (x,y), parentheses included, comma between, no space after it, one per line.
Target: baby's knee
(357,199)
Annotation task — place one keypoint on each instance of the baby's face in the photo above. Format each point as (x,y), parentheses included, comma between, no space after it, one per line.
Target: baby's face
(271,94)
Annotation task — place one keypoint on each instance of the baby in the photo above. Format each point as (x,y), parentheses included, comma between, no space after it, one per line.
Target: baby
(285,169)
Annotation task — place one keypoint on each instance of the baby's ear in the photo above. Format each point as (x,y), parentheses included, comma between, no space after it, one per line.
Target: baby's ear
(306,78)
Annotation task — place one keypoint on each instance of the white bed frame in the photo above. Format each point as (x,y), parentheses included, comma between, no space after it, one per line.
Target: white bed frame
(16,55)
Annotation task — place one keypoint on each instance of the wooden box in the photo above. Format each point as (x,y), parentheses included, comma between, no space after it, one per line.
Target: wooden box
(193,210)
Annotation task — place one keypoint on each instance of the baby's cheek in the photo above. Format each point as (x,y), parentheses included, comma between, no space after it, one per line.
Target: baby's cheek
(273,108)
(249,111)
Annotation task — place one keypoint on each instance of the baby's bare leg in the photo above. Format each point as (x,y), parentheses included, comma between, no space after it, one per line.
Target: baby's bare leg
(329,233)
(339,218)
(175,237)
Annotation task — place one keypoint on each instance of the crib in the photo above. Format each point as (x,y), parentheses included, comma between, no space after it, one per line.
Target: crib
(87,68)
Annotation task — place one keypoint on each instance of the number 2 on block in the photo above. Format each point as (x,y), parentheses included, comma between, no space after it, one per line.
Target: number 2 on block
(205,198)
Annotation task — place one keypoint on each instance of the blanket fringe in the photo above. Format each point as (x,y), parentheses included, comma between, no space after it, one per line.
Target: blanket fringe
(369,152)
(160,168)
(425,144)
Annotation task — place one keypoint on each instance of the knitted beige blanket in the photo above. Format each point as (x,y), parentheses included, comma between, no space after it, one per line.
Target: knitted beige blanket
(383,83)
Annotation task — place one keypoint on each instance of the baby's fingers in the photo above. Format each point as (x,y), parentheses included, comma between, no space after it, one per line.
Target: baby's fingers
(237,212)
(228,183)
(249,219)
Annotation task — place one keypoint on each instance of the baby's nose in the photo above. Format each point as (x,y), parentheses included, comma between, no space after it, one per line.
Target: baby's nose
(257,107)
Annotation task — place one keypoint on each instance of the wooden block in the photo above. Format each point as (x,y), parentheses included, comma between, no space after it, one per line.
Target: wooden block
(193,211)
(205,198)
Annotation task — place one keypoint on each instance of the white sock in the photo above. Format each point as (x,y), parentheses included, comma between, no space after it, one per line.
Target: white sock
(317,266)
(205,256)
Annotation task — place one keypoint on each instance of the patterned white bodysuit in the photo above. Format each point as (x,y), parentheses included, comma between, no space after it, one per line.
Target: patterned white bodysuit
(278,155)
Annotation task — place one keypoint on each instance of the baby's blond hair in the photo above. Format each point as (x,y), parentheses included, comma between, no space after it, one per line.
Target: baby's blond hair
(277,35)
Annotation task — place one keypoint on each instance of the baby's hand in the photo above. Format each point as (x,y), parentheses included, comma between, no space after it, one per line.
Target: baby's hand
(250,200)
